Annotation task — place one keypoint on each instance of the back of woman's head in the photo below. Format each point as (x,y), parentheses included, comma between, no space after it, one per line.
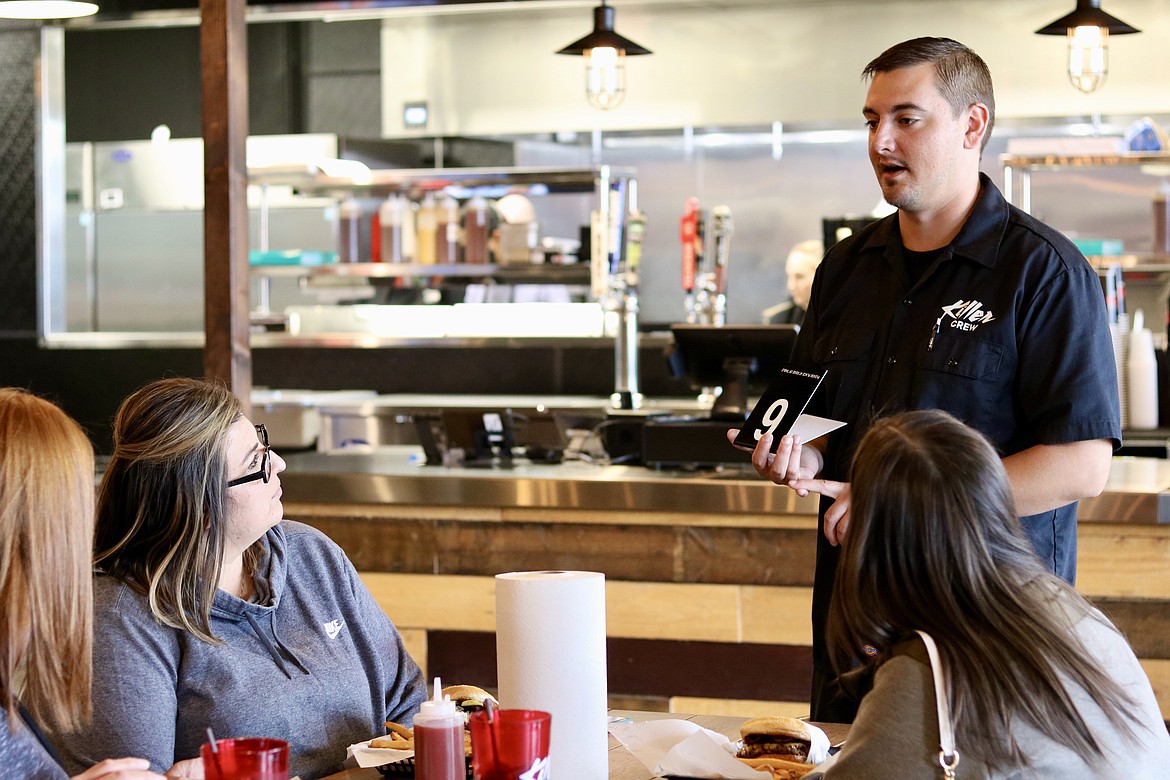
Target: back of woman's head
(932,524)
(46,585)
(934,544)
(162,502)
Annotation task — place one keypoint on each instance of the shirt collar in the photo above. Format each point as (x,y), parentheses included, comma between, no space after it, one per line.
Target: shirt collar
(978,239)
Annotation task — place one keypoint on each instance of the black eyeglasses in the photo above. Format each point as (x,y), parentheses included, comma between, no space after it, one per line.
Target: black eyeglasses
(265,472)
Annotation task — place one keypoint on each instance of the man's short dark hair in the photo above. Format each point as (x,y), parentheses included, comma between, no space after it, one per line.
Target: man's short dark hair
(963,76)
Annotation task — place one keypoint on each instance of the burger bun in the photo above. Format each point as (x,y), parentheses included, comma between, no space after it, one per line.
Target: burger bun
(775,725)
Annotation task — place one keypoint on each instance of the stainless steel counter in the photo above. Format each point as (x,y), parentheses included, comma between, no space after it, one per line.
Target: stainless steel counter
(396,475)
(1138,490)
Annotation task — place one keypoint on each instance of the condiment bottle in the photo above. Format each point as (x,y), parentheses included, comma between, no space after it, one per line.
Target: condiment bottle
(1162,219)
(425,231)
(390,223)
(475,231)
(351,227)
(438,739)
(447,232)
(1142,376)
(409,221)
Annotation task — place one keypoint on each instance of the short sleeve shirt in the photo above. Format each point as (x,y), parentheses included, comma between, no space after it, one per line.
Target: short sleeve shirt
(1006,330)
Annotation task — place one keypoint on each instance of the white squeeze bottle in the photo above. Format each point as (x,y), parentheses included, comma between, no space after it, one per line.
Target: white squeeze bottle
(438,739)
(1142,376)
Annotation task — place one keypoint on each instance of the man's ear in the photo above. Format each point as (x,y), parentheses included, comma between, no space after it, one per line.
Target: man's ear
(977,116)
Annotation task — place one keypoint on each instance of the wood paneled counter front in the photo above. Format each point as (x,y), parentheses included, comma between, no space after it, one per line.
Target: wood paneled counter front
(708,573)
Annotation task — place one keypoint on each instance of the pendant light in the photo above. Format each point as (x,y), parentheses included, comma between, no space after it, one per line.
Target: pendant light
(45,9)
(605,53)
(1088,29)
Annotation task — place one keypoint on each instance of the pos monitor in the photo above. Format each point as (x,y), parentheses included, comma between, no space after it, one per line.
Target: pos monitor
(736,358)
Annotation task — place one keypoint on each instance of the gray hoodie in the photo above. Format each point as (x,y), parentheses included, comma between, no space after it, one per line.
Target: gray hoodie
(313,660)
(22,754)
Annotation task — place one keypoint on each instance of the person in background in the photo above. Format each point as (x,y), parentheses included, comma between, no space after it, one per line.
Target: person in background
(958,301)
(46,596)
(212,611)
(1041,684)
(800,266)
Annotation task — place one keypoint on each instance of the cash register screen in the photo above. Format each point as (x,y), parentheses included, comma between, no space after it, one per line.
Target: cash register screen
(736,358)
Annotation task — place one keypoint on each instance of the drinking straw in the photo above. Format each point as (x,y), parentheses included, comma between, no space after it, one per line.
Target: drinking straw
(489,710)
(214,751)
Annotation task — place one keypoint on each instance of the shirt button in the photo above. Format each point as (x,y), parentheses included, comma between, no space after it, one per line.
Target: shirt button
(833,351)
(952,363)
(891,360)
(907,302)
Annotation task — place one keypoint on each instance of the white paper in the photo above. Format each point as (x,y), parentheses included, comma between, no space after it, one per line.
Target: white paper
(550,655)
(809,426)
(685,749)
(366,756)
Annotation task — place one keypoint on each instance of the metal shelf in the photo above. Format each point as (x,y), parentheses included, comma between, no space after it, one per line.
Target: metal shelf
(309,180)
(1037,162)
(575,272)
(1018,169)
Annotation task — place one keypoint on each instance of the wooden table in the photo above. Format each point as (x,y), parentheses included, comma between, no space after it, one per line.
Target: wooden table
(622,764)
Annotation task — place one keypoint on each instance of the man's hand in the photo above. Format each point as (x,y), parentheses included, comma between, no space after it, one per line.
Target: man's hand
(796,465)
(792,461)
(120,769)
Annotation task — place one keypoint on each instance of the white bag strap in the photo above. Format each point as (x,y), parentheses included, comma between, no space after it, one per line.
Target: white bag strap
(948,757)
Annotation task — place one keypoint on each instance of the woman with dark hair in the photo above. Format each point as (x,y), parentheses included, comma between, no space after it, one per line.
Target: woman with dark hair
(211,611)
(46,595)
(1041,684)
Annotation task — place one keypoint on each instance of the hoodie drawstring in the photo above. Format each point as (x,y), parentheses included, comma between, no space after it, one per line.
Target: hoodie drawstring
(287,650)
(272,651)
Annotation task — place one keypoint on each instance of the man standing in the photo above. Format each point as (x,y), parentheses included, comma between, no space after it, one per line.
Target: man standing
(960,302)
(800,266)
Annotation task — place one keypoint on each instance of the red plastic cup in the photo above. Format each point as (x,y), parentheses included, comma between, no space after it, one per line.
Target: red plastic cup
(512,746)
(247,758)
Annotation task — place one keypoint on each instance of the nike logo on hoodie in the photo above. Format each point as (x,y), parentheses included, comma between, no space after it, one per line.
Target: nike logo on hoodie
(333,628)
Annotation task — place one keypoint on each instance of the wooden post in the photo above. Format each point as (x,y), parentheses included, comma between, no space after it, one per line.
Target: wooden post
(223,45)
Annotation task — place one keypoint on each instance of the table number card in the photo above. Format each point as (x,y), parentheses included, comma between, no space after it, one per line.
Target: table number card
(780,410)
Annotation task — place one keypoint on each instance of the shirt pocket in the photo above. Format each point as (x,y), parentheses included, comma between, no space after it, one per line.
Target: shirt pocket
(964,356)
(842,344)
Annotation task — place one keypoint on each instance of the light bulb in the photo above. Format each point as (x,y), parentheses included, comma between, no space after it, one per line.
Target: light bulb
(46,9)
(605,76)
(1088,57)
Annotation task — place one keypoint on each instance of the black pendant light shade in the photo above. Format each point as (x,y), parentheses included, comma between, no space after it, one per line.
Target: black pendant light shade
(1088,13)
(603,36)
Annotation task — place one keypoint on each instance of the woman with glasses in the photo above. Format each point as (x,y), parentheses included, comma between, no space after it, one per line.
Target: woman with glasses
(211,611)
(46,601)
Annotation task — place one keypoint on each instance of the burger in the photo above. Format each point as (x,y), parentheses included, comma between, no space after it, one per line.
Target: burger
(779,745)
(469,698)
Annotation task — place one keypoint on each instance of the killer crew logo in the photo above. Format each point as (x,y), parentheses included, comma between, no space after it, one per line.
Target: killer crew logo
(965,315)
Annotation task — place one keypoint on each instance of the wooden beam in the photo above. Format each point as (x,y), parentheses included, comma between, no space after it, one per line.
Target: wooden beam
(223,46)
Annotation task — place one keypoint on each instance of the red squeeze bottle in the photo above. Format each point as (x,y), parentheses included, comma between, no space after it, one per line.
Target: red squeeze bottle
(687,231)
(438,740)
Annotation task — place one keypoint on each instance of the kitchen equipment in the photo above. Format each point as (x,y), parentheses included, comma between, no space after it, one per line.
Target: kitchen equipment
(292,417)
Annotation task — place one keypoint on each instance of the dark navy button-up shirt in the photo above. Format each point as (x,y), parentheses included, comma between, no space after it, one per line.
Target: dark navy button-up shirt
(1006,330)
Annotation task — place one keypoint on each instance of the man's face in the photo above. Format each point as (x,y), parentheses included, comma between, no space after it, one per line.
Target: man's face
(916,143)
(800,269)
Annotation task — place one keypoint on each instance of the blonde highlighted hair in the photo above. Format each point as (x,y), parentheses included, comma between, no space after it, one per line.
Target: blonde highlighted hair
(46,579)
(162,505)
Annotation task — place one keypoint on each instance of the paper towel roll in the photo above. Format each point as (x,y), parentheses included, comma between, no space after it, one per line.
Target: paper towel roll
(550,655)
